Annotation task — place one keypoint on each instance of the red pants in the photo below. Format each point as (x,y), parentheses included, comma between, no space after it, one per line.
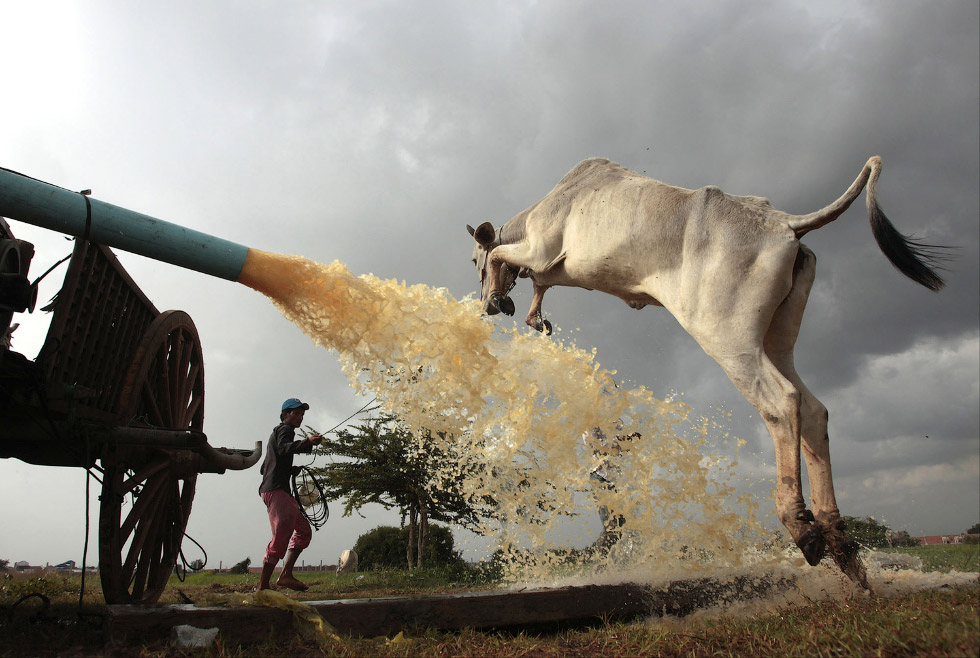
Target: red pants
(289,526)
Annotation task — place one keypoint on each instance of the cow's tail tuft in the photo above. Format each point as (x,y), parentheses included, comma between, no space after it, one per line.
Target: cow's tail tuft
(916,260)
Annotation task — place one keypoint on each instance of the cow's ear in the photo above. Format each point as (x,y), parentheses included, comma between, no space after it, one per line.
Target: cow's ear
(469,228)
(484,233)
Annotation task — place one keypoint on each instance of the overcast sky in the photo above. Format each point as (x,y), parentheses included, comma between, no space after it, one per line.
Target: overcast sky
(372,132)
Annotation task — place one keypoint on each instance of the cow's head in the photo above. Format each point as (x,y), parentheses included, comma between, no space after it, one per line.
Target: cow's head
(487,238)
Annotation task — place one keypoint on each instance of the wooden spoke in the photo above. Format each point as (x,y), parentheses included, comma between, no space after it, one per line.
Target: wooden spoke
(146,531)
(148,496)
(144,473)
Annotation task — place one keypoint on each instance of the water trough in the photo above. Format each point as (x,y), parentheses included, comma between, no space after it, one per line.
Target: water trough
(499,609)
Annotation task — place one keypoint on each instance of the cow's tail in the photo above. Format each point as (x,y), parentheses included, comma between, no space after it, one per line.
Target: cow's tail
(913,258)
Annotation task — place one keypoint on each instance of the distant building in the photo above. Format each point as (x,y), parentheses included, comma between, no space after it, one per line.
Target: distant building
(936,540)
(66,566)
(23,565)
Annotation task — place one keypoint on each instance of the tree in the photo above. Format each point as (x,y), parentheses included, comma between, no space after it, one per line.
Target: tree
(866,531)
(383,462)
(974,529)
(901,538)
(384,546)
(4,565)
(241,567)
(196,565)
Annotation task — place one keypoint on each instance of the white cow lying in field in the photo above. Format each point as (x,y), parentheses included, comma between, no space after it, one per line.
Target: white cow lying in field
(733,272)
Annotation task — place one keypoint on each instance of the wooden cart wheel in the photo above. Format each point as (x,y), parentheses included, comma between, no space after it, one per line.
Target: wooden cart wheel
(147,492)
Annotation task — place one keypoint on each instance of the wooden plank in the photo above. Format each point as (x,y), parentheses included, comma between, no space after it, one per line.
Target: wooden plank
(373,617)
(133,624)
(481,610)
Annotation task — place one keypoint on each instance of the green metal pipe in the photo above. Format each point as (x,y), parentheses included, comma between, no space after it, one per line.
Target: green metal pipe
(35,202)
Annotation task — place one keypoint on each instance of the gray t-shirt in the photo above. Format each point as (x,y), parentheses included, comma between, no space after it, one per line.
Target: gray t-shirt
(277,468)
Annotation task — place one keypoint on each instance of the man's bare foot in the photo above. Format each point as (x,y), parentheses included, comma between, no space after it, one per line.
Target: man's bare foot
(262,587)
(293,584)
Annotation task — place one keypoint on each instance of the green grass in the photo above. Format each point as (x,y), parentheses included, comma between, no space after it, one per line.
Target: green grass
(329,585)
(945,557)
(943,622)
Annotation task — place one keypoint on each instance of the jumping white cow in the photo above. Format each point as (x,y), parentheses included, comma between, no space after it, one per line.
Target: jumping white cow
(733,272)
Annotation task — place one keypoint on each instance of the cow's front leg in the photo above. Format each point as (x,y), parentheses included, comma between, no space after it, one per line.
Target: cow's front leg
(534,318)
(497,300)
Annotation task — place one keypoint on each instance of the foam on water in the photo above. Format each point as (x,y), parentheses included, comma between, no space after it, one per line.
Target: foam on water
(521,406)
(808,585)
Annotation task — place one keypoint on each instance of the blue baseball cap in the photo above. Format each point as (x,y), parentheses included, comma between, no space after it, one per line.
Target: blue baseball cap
(294,403)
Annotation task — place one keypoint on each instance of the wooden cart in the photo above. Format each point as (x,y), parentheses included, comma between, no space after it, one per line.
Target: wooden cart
(117,387)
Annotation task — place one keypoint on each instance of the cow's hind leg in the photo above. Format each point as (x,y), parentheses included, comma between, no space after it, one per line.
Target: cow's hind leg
(742,356)
(732,330)
(777,400)
(779,343)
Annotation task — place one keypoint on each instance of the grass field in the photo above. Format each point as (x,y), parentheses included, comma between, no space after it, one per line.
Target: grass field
(945,557)
(931,622)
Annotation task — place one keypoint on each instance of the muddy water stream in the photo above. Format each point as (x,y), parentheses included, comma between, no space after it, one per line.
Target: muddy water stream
(517,412)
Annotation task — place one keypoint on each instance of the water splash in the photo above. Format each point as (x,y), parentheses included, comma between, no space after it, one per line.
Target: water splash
(526,405)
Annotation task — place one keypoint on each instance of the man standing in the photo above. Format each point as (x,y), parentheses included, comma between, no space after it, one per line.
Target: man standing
(291,532)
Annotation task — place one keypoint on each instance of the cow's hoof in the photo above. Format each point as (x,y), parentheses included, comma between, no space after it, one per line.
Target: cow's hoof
(852,566)
(540,324)
(812,545)
(498,302)
(491,307)
(845,551)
